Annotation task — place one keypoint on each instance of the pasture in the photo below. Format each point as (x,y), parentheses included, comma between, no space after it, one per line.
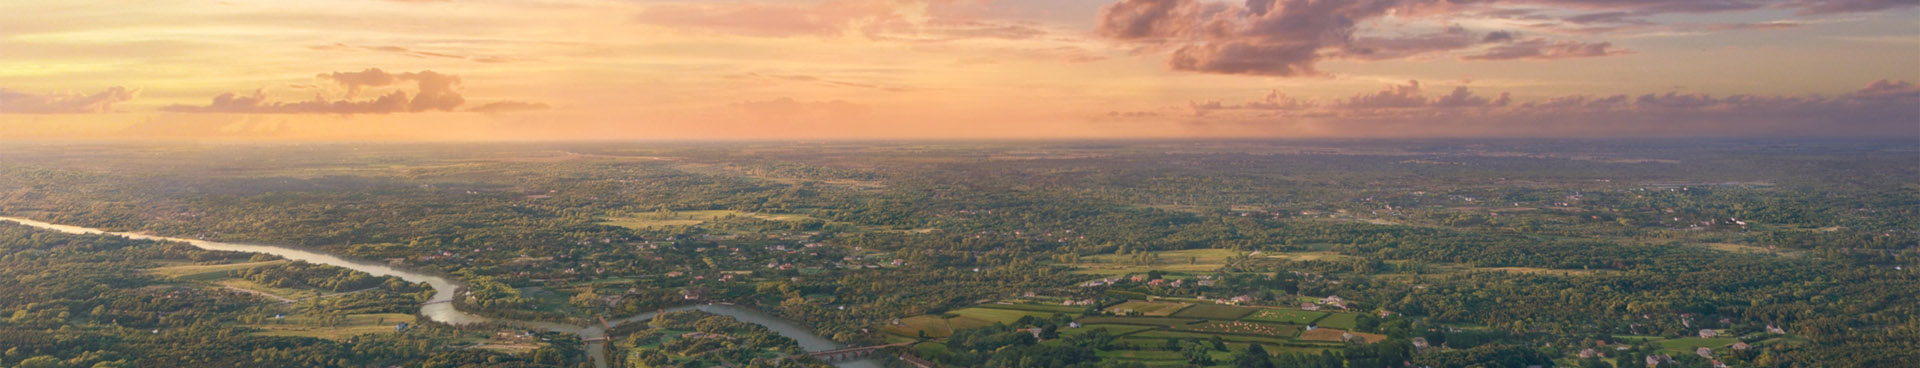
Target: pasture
(1214,311)
(1158,309)
(1293,316)
(355,325)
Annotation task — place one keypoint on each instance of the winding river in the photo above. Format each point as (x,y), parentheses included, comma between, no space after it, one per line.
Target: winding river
(440,307)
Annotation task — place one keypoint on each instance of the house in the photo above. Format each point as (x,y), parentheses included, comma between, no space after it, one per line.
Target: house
(1157,282)
(1741,346)
(1589,354)
(1332,300)
(1704,352)
(1776,330)
(1655,360)
(1309,306)
(1073,324)
(1241,299)
(1419,342)
(1709,333)
(400,327)
(1385,313)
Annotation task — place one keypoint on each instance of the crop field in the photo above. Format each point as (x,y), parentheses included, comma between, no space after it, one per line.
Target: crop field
(1328,334)
(1293,316)
(1245,328)
(1111,329)
(997,315)
(1185,335)
(934,326)
(652,220)
(1344,321)
(355,325)
(1308,256)
(1214,311)
(1036,307)
(207,272)
(1688,344)
(1188,260)
(1139,321)
(1148,308)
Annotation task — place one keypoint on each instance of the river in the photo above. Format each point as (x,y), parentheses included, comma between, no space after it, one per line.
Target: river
(440,309)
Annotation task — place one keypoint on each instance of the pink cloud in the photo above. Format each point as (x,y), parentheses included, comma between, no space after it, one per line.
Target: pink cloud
(16,102)
(1288,38)
(1881,108)
(433,92)
(1542,49)
(915,20)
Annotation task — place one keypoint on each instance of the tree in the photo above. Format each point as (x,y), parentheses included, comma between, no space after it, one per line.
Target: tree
(1254,357)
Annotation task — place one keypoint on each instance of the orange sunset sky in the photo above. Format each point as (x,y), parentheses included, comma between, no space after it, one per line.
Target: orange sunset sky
(968,69)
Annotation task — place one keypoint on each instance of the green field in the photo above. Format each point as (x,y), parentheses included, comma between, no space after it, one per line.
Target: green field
(1294,316)
(1245,328)
(1142,355)
(1148,308)
(1344,321)
(207,272)
(1112,329)
(1688,344)
(651,220)
(1184,335)
(1036,307)
(934,326)
(998,315)
(1214,311)
(1189,260)
(280,294)
(355,325)
(1139,321)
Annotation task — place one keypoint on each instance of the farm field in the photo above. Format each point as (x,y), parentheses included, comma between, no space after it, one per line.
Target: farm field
(1157,309)
(997,315)
(1687,344)
(1214,311)
(207,272)
(653,220)
(1112,329)
(354,325)
(1293,316)
(1344,321)
(1188,260)
(1036,307)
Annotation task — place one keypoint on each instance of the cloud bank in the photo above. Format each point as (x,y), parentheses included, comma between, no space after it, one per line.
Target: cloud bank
(17,102)
(1288,38)
(1881,108)
(432,92)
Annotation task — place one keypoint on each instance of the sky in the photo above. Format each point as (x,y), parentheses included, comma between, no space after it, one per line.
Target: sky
(503,70)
